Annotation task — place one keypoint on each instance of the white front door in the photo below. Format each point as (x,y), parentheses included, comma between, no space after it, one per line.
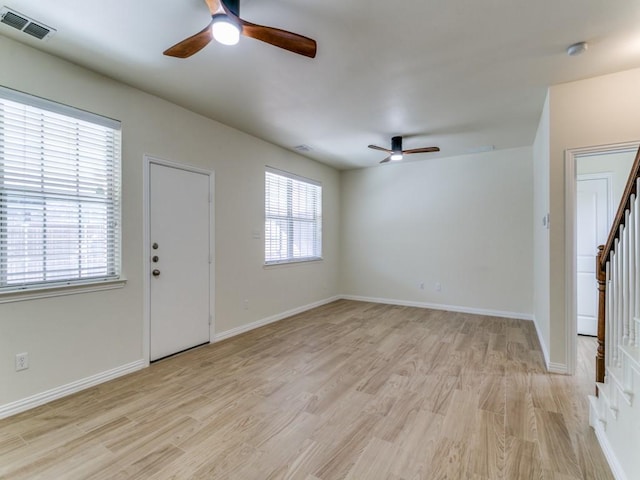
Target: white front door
(179,229)
(592,211)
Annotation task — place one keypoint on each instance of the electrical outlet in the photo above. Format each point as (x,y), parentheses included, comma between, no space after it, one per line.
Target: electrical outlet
(22,361)
(245,304)
(438,287)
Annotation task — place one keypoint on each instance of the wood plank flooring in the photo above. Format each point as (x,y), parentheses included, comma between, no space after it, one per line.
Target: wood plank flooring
(350,390)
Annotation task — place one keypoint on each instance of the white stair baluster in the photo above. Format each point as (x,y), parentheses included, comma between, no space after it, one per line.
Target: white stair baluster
(608,315)
(615,304)
(624,259)
(633,276)
(619,299)
(636,316)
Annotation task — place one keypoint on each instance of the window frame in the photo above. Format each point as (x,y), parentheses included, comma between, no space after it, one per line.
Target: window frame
(291,219)
(112,278)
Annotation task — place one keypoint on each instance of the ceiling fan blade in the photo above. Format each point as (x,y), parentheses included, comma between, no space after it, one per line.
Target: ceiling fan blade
(375,147)
(191,45)
(421,150)
(388,159)
(280,38)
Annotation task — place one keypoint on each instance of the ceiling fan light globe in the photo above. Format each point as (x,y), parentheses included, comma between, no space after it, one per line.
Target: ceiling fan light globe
(225,31)
(396,156)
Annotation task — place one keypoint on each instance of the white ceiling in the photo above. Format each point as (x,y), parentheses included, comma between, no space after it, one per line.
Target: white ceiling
(457,74)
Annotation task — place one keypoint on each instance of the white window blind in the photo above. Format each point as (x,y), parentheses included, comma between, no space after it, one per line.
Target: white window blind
(59,194)
(293,218)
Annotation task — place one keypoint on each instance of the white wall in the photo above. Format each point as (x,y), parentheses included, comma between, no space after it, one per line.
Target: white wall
(597,111)
(541,294)
(465,222)
(73,337)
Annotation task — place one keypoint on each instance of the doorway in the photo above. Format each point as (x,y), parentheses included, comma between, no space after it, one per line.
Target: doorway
(607,161)
(179,260)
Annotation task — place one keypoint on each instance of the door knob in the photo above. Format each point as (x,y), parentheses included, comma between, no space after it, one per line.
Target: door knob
(156,273)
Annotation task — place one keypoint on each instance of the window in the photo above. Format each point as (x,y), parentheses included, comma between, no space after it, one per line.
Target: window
(293,218)
(59,194)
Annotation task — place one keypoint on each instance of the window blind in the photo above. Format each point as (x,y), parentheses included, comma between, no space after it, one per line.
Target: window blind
(59,194)
(293,218)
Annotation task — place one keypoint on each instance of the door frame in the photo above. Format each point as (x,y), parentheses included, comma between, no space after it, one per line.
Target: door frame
(149,160)
(570,227)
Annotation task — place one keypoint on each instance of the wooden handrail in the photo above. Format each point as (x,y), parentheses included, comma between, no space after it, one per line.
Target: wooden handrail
(625,203)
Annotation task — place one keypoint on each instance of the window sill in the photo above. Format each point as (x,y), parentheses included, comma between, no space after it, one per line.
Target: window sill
(60,290)
(293,263)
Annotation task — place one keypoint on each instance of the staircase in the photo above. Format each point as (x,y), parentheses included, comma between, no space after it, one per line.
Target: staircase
(615,410)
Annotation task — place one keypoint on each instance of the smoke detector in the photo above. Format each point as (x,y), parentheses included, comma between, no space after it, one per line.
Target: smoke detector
(577,49)
(25,24)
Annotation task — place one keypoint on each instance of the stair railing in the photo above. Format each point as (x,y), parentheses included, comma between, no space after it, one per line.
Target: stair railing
(618,275)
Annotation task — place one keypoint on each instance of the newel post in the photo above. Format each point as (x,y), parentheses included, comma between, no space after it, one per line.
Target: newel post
(602,289)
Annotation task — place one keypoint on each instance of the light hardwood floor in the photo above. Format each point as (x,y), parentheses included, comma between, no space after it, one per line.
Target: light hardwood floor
(350,390)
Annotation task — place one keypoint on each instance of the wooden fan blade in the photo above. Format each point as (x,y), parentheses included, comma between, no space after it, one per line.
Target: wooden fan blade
(375,147)
(274,36)
(386,159)
(191,45)
(421,150)
(280,38)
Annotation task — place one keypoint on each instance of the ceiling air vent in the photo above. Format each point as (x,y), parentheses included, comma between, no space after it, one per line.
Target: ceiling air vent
(27,25)
(36,30)
(15,21)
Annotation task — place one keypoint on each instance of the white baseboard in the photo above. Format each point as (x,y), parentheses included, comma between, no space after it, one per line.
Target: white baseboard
(273,318)
(555,367)
(59,392)
(64,390)
(41,398)
(599,428)
(543,344)
(439,306)
(552,367)
(435,306)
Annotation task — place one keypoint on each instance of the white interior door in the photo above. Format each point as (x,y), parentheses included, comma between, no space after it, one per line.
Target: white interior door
(179,215)
(592,212)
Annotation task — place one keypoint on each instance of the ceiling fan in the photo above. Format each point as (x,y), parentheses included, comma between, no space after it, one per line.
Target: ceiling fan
(226,27)
(397,153)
